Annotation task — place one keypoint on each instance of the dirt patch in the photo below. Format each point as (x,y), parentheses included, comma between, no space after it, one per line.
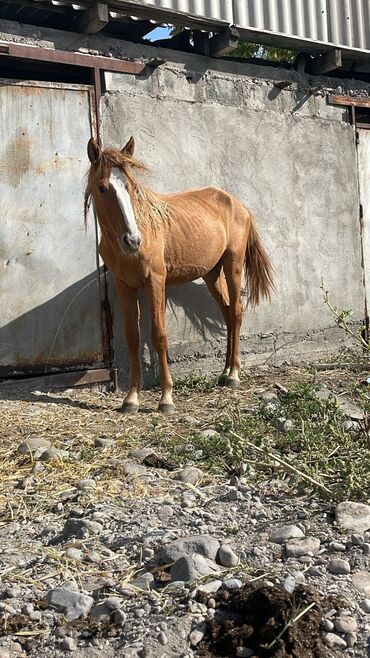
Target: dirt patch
(265,619)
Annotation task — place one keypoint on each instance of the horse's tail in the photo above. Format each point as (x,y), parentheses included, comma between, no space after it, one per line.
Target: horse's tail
(258,267)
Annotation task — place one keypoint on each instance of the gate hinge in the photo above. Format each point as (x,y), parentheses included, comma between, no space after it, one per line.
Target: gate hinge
(361,211)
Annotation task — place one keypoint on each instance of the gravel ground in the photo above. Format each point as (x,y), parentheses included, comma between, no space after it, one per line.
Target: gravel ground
(116,539)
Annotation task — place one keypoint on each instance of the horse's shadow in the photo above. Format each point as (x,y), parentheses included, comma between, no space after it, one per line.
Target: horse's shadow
(193,319)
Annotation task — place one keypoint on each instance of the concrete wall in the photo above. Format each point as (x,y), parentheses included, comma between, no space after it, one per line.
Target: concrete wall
(285,153)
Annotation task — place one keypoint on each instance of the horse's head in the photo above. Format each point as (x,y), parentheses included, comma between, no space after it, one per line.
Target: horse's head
(111,185)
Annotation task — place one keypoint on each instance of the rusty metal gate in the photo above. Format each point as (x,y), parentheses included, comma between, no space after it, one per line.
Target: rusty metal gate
(363,150)
(50,288)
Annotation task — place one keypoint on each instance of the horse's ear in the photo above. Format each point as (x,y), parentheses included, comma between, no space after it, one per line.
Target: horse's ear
(130,147)
(93,150)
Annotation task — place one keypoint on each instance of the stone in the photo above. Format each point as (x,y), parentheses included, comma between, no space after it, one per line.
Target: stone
(289,584)
(299,547)
(361,581)
(28,608)
(189,475)
(281,535)
(132,468)
(102,443)
(365,605)
(78,527)
(144,581)
(332,640)
(351,639)
(192,567)
(210,434)
(53,453)
(36,443)
(227,557)
(141,453)
(353,516)
(201,544)
(232,583)
(119,618)
(337,547)
(73,604)
(284,425)
(345,624)
(69,644)
(366,549)
(162,638)
(35,615)
(74,553)
(328,625)
(339,567)
(196,636)
(234,494)
(86,484)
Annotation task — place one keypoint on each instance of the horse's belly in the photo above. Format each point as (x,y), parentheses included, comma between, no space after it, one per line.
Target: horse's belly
(192,264)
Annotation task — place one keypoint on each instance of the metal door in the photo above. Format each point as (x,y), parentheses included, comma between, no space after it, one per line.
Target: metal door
(50,305)
(364,186)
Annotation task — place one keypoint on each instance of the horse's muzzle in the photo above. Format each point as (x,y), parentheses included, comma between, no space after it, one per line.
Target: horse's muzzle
(131,243)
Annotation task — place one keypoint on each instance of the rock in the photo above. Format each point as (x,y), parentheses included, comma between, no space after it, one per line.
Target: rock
(345,624)
(74,553)
(162,638)
(77,527)
(227,557)
(361,581)
(27,609)
(190,475)
(232,583)
(200,544)
(102,443)
(196,636)
(337,547)
(193,566)
(73,604)
(328,625)
(365,605)
(69,644)
(299,547)
(210,434)
(119,618)
(351,639)
(234,494)
(132,468)
(36,443)
(281,535)
(289,584)
(141,453)
(53,453)
(284,425)
(244,652)
(353,516)
(85,485)
(339,567)
(366,549)
(350,426)
(145,581)
(190,420)
(332,640)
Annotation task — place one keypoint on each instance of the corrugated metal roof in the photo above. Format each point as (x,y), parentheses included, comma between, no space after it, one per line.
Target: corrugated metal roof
(341,23)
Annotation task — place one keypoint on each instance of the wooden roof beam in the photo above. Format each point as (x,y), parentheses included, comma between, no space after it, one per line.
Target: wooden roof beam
(94,18)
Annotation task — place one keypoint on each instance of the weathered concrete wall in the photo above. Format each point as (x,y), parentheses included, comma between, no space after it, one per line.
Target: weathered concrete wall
(285,153)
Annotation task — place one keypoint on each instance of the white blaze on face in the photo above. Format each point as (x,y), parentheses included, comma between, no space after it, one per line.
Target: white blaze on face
(118,182)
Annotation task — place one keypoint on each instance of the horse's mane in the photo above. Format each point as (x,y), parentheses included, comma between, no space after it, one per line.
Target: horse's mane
(148,207)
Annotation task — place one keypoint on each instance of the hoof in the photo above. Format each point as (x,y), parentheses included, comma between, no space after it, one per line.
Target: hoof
(222,380)
(165,408)
(129,408)
(230,382)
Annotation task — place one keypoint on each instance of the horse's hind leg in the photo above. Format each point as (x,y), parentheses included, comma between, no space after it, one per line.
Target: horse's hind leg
(216,284)
(233,268)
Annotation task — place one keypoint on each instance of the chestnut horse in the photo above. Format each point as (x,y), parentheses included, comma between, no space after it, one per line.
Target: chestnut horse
(150,240)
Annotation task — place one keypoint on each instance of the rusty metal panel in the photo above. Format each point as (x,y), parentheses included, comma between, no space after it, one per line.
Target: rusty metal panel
(364,187)
(49,285)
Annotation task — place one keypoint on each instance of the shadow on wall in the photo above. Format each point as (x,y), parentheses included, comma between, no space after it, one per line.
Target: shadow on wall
(65,332)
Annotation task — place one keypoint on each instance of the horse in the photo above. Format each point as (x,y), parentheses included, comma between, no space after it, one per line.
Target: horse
(150,240)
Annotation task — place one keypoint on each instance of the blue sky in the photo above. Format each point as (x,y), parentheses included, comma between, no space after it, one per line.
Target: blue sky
(158,33)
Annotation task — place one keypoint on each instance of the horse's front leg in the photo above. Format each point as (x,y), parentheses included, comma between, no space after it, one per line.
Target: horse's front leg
(157,296)
(131,314)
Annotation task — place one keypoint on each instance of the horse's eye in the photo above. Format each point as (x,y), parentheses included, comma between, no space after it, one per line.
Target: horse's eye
(102,189)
